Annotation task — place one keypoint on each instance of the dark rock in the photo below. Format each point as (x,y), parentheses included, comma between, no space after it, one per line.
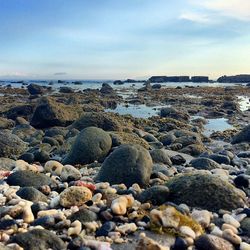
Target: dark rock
(50,113)
(20,111)
(193,149)
(97,119)
(41,156)
(11,145)
(178,159)
(160,156)
(242,181)
(199,79)
(221,159)
(51,141)
(242,136)
(118,82)
(7,224)
(39,206)
(106,89)
(28,157)
(244,154)
(38,239)
(24,132)
(167,139)
(128,164)
(35,89)
(180,244)
(46,222)
(205,191)
(212,242)
(243,78)
(66,90)
(105,229)
(156,86)
(204,163)
(27,178)
(245,226)
(90,145)
(83,215)
(31,194)
(55,131)
(156,194)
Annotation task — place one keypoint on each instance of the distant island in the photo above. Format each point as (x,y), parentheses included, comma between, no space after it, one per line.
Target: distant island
(244,78)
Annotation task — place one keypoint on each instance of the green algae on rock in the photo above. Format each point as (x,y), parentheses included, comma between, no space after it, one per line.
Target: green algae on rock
(205,191)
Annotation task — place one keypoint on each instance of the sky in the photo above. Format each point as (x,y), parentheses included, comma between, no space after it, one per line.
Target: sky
(120,39)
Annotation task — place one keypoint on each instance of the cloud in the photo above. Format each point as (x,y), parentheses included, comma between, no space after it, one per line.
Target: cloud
(237,9)
(195,17)
(60,74)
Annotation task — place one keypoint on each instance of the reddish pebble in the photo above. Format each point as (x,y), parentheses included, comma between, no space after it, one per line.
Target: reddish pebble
(84,184)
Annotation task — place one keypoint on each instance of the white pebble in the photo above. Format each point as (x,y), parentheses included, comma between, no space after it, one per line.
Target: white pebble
(229,235)
(244,246)
(230,220)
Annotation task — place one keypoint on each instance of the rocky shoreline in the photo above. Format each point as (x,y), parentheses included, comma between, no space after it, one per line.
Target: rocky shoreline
(73,176)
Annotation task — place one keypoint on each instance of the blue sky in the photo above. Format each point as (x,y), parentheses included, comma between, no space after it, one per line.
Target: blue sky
(117,39)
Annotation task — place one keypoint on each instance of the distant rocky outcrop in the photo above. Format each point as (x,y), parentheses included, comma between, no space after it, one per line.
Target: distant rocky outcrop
(158,79)
(234,79)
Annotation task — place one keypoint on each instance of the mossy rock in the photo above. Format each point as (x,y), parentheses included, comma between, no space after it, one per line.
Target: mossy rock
(205,191)
(119,138)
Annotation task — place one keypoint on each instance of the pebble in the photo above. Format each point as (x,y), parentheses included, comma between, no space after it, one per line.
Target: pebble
(228,226)
(119,206)
(75,196)
(203,217)
(127,228)
(53,167)
(187,231)
(75,228)
(244,246)
(229,235)
(231,220)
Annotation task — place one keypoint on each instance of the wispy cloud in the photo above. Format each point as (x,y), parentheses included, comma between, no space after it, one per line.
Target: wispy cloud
(237,9)
(60,73)
(195,17)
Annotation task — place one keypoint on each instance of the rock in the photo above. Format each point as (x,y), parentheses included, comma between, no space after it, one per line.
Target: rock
(31,194)
(50,113)
(156,86)
(204,191)
(204,163)
(11,145)
(90,145)
(180,244)
(38,239)
(106,89)
(5,123)
(35,89)
(70,172)
(75,196)
(45,221)
(66,90)
(97,119)
(242,136)
(106,228)
(242,181)
(193,149)
(83,215)
(27,157)
(203,217)
(41,156)
(178,160)
(231,220)
(156,194)
(28,179)
(167,139)
(221,159)
(212,242)
(188,140)
(160,156)
(6,164)
(229,235)
(245,226)
(118,82)
(171,112)
(23,111)
(128,164)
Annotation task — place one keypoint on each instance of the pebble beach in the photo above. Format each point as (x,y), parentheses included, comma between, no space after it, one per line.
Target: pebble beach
(142,166)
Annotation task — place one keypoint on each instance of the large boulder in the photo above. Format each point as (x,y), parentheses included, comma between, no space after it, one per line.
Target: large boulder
(25,111)
(128,164)
(50,113)
(11,145)
(91,144)
(106,89)
(205,191)
(38,239)
(97,119)
(242,136)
